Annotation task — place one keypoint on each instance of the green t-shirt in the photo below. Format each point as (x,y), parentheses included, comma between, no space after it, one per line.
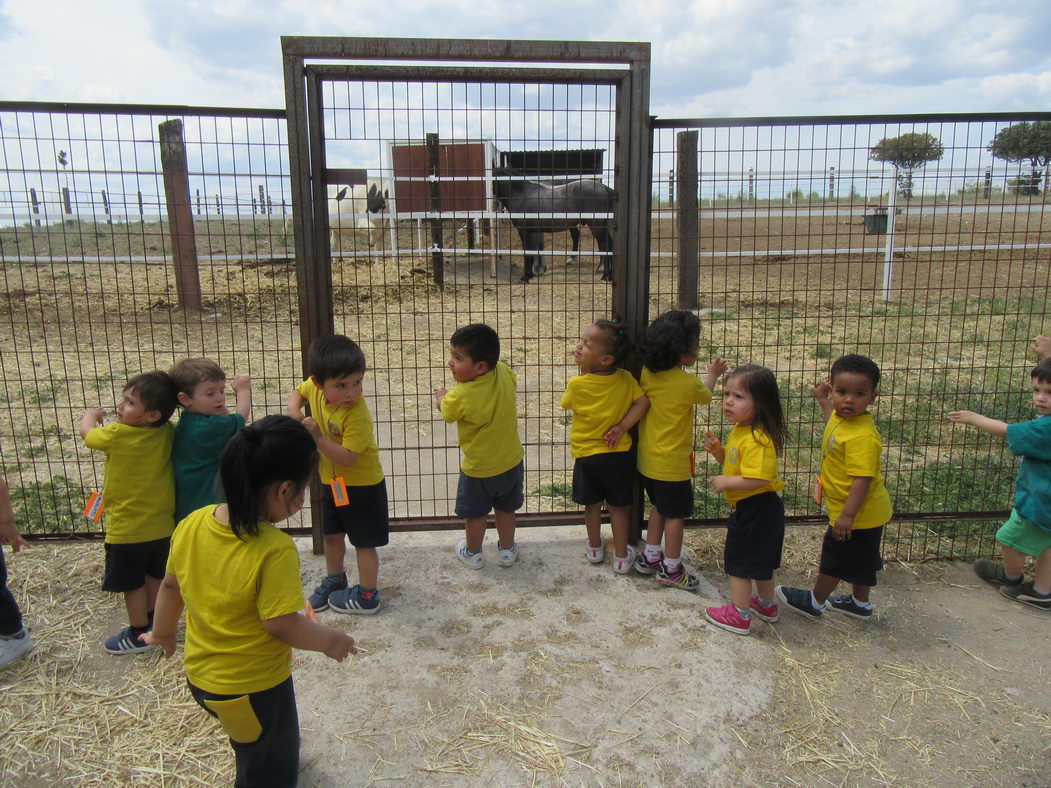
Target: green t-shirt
(199,442)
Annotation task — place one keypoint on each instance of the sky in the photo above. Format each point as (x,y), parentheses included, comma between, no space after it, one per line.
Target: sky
(710,58)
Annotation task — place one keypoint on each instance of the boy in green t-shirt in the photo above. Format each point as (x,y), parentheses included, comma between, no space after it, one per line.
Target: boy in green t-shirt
(353,489)
(482,404)
(138,491)
(203,430)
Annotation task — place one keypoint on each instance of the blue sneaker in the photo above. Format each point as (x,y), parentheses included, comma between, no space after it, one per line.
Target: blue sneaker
(355,600)
(319,599)
(126,642)
(799,600)
(845,604)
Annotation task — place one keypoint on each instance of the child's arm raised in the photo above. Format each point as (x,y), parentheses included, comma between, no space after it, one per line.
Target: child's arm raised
(992,426)
(242,386)
(340,455)
(294,408)
(298,631)
(439,395)
(1042,347)
(716,367)
(631,418)
(714,447)
(844,527)
(823,394)
(166,615)
(92,418)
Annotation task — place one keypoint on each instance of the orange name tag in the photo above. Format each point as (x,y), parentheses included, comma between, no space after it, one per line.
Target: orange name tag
(819,490)
(339,491)
(311,613)
(93,511)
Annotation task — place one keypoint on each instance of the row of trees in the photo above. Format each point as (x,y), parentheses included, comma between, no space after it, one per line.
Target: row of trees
(1021,142)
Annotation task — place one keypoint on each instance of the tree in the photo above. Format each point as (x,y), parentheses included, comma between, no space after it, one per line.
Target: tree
(907,153)
(1023,142)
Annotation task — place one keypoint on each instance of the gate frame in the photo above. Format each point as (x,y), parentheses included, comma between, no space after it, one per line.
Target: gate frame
(306,154)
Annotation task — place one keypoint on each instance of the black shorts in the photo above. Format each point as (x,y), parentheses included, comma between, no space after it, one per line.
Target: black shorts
(755,537)
(476,496)
(674,500)
(608,477)
(856,560)
(264,731)
(127,565)
(364,519)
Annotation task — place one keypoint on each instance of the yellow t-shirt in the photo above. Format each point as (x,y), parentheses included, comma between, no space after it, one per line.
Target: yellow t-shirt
(138,486)
(849,448)
(486,422)
(751,455)
(666,431)
(598,402)
(230,586)
(351,428)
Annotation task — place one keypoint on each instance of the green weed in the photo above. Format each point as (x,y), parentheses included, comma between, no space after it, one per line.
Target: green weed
(53,506)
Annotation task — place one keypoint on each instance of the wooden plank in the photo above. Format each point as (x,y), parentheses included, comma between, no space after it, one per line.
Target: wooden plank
(180,213)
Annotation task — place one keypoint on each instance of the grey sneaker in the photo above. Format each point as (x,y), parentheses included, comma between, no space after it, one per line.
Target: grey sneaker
(992,572)
(14,647)
(473,560)
(506,557)
(1024,593)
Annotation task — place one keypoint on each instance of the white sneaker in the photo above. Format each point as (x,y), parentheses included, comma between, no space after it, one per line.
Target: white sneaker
(12,648)
(473,560)
(623,565)
(596,554)
(506,557)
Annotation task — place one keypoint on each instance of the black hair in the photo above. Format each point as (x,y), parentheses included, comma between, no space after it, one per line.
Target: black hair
(335,356)
(670,337)
(274,449)
(479,341)
(1042,371)
(618,344)
(761,384)
(157,391)
(859,365)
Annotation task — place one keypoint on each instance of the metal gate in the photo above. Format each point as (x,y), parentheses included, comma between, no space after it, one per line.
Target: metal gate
(429,137)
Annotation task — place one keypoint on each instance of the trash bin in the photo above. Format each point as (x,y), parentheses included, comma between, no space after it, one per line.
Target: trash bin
(876,221)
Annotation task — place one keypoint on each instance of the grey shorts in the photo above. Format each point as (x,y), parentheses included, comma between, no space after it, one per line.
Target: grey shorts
(477,496)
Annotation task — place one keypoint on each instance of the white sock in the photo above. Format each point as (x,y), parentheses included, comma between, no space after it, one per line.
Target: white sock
(653,552)
(671,564)
(859,603)
(814,602)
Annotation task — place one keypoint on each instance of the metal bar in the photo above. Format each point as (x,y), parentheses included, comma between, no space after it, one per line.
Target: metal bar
(138,109)
(460,74)
(829,120)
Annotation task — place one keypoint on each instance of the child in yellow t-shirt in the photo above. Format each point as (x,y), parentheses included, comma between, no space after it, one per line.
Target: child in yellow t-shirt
(606,403)
(353,490)
(666,440)
(851,484)
(491,473)
(755,532)
(138,489)
(238,578)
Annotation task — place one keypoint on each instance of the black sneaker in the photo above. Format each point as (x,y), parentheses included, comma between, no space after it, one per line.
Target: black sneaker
(992,572)
(798,599)
(845,604)
(126,642)
(1024,593)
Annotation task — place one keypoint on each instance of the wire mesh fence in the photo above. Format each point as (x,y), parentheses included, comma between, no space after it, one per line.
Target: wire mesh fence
(793,221)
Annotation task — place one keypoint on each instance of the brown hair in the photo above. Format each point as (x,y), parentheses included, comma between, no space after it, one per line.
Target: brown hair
(190,372)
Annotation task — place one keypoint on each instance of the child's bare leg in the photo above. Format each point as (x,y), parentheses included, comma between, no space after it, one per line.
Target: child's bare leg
(135,602)
(861,593)
(505,530)
(765,588)
(593,522)
(1014,561)
(335,553)
(475,532)
(655,529)
(1042,571)
(741,592)
(673,528)
(153,587)
(823,586)
(618,518)
(368,560)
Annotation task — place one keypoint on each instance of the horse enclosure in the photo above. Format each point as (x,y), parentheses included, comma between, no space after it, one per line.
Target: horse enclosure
(118,256)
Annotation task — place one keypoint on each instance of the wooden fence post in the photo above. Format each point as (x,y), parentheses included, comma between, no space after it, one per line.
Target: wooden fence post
(686,213)
(180,214)
(66,201)
(36,205)
(433,168)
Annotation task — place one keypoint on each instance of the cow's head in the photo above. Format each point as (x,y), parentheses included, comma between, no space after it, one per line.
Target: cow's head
(376,199)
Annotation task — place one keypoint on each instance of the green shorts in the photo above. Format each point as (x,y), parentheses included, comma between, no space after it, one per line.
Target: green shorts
(1023,536)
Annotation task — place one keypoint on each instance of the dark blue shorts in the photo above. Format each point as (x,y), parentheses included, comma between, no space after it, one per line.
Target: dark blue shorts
(608,477)
(128,565)
(364,519)
(856,560)
(755,537)
(477,496)
(674,500)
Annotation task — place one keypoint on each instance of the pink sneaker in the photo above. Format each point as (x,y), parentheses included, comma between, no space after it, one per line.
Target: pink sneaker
(765,613)
(727,617)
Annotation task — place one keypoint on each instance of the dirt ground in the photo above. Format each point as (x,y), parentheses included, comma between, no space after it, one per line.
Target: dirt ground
(556,672)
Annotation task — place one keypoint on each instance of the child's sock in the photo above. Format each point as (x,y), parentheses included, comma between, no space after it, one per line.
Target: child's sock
(815,603)
(745,614)
(767,602)
(671,564)
(149,619)
(336,576)
(1040,591)
(16,636)
(863,605)
(1012,580)
(653,552)
(139,631)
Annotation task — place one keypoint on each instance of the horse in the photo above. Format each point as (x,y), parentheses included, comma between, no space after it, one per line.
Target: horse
(575,197)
